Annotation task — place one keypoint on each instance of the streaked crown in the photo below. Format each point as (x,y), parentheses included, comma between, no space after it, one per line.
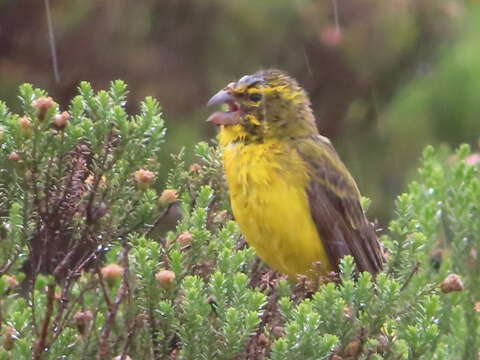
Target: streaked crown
(267,104)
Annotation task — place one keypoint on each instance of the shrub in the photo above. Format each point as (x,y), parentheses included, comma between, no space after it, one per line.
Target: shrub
(89,270)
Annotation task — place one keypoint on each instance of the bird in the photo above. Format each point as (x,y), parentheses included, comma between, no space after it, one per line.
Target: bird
(294,200)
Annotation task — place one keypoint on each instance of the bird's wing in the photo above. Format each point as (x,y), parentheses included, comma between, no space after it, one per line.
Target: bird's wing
(335,208)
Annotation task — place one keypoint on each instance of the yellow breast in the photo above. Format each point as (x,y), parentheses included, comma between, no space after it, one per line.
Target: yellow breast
(267,183)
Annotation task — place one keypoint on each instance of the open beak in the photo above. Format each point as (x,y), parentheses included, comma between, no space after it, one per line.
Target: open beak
(230,117)
(221,97)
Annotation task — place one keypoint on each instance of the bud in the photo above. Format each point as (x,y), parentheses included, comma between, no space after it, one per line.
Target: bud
(165,278)
(278,331)
(195,168)
(352,348)
(220,217)
(14,156)
(9,338)
(89,180)
(263,340)
(452,282)
(58,296)
(11,281)
(42,104)
(103,181)
(82,320)
(383,344)
(112,273)
(61,120)
(168,196)
(184,238)
(477,306)
(144,178)
(472,159)
(25,124)
(348,312)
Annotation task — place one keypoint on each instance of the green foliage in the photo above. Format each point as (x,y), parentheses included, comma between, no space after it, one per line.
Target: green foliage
(87,271)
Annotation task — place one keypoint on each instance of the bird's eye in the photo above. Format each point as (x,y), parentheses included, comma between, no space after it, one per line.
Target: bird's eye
(255,97)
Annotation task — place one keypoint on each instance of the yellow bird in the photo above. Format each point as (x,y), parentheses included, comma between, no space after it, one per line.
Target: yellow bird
(293,198)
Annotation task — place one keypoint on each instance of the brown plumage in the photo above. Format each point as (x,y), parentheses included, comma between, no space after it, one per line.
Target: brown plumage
(340,220)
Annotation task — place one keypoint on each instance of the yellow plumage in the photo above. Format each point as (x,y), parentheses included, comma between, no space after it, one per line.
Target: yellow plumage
(267,181)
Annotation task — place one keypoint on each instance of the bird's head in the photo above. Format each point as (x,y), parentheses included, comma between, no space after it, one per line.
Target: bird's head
(266,105)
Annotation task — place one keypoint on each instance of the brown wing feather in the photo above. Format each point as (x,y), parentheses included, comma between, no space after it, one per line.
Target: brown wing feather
(335,207)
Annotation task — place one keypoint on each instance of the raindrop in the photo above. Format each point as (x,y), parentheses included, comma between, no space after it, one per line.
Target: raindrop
(335,15)
(307,62)
(51,40)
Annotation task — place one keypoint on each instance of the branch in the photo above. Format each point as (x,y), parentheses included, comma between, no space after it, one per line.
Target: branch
(42,340)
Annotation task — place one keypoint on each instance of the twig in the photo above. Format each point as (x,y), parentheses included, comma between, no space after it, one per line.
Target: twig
(139,224)
(42,340)
(32,299)
(93,330)
(410,276)
(131,328)
(62,198)
(11,260)
(406,308)
(104,348)
(98,176)
(131,333)
(103,287)
(61,323)
(1,315)
(159,219)
(61,320)
(63,264)
(154,333)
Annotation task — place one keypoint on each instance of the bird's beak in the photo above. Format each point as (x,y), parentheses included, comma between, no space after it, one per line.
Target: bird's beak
(221,97)
(229,117)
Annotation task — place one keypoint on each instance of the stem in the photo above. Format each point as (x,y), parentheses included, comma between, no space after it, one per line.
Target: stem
(104,348)
(32,299)
(42,340)
(154,333)
(471,320)
(410,276)
(1,315)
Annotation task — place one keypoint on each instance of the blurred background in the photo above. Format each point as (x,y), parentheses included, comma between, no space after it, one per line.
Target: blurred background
(386,78)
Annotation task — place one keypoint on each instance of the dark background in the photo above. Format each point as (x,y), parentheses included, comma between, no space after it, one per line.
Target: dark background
(386,78)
